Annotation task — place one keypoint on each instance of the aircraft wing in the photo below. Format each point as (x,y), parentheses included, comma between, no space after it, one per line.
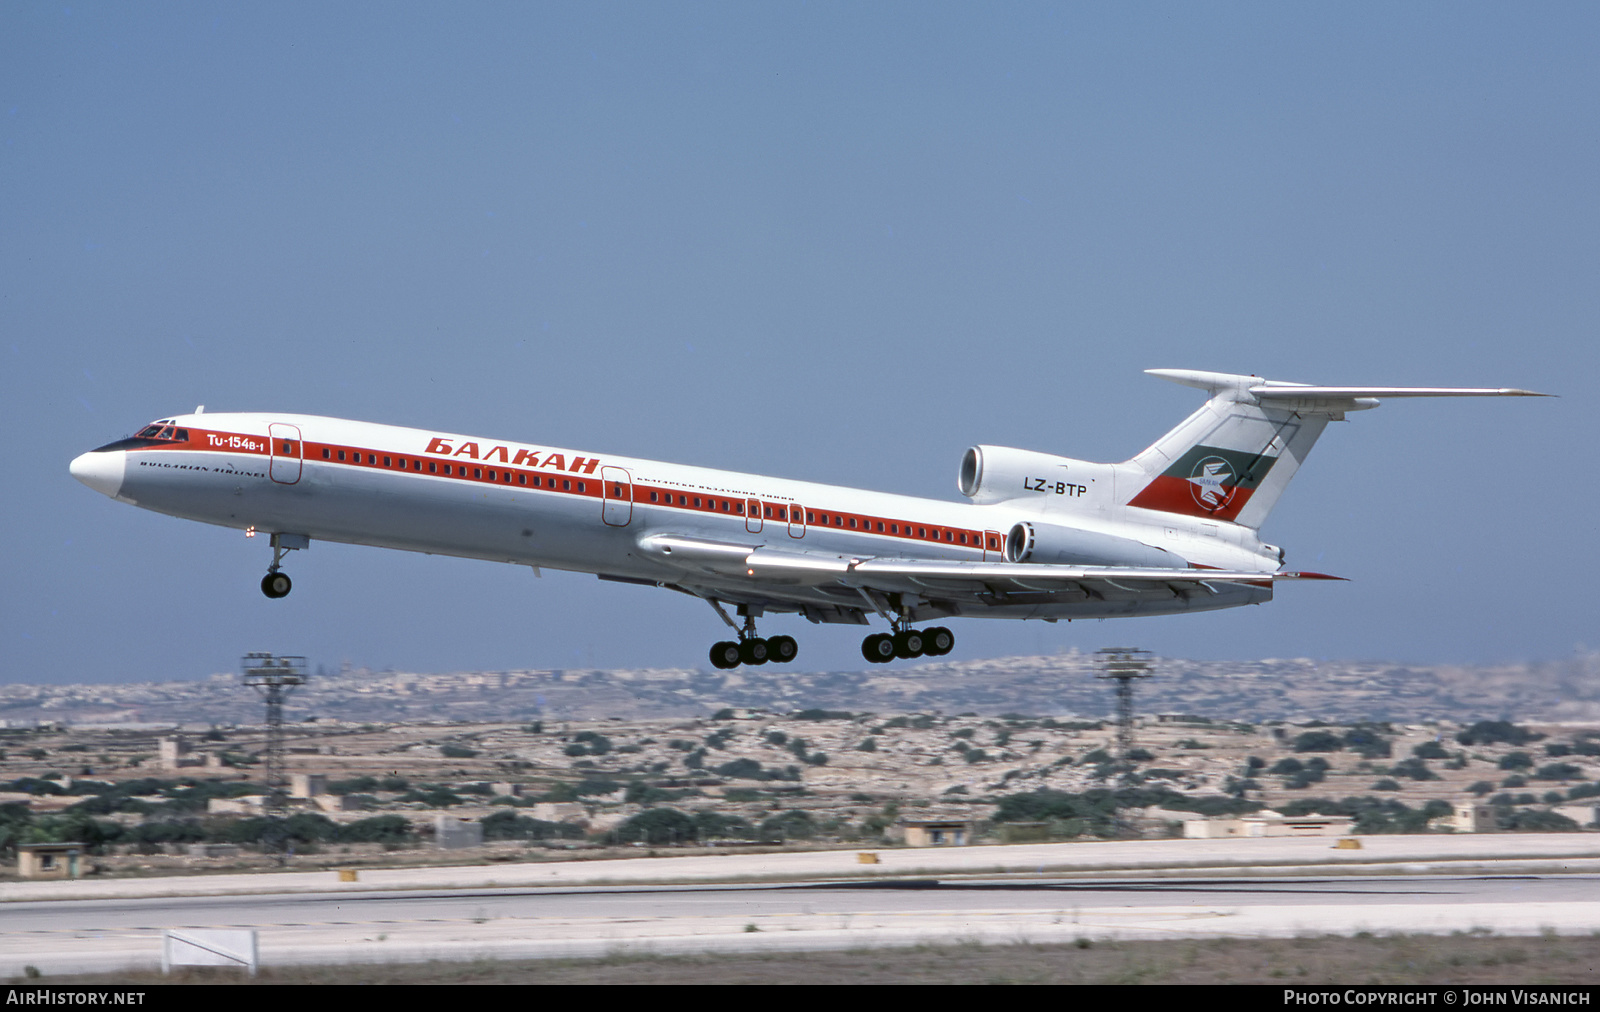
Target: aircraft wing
(755,567)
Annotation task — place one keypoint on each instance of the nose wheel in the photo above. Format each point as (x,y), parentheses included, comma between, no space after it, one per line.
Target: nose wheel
(276,583)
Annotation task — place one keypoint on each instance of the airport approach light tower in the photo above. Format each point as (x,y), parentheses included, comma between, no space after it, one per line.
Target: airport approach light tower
(274,678)
(1124,665)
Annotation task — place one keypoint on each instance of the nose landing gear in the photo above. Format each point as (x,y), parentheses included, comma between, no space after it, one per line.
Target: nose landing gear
(276,583)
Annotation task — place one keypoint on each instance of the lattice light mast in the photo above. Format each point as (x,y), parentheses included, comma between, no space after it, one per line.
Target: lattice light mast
(274,678)
(1124,665)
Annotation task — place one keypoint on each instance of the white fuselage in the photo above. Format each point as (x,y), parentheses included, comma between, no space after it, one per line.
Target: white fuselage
(360,483)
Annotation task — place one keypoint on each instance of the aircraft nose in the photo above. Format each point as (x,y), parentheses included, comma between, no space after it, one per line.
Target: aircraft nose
(101,470)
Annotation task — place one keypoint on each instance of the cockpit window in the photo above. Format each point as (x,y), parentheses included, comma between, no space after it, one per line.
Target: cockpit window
(164,431)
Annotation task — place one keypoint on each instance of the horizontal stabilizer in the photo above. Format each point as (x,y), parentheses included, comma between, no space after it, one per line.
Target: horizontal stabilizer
(1217,382)
(1294,391)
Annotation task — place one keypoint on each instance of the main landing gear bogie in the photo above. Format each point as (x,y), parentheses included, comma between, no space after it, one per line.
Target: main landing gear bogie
(749,648)
(754,650)
(905,644)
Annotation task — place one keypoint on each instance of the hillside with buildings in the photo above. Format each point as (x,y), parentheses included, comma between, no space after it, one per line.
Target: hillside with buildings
(1062,685)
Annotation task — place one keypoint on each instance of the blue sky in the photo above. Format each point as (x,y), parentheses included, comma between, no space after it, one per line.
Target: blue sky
(838,242)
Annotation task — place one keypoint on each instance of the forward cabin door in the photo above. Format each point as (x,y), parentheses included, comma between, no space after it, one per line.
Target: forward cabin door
(994,547)
(797,520)
(286,453)
(616,490)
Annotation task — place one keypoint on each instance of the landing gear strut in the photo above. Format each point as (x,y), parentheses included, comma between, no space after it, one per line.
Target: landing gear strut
(276,583)
(750,648)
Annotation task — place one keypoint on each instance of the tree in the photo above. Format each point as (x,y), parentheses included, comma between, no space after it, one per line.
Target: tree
(658,826)
(790,825)
(1318,741)
(378,829)
(1487,732)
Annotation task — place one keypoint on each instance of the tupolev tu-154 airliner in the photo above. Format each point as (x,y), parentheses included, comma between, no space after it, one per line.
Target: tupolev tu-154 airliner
(1174,529)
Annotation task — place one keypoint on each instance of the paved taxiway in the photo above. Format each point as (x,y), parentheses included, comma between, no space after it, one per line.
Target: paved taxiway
(1039,893)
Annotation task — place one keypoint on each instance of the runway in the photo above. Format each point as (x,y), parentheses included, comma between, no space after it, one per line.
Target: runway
(335,925)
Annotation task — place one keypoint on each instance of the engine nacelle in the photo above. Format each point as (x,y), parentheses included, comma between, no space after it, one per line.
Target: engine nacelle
(1048,543)
(991,474)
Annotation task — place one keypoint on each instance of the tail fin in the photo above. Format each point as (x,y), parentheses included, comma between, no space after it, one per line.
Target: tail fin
(1233,458)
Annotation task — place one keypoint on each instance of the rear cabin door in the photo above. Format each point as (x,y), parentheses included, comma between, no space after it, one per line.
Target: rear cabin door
(752,516)
(286,453)
(616,490)
(797,520)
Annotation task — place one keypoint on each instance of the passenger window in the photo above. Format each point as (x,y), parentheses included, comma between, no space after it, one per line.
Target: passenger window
(385,460)
(433,468)
(522,479)
(341,454)
(326,453)
(810,517)
(566,486)
(580,486)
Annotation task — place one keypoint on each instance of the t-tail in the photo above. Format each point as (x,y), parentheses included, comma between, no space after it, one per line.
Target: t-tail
(1232,459)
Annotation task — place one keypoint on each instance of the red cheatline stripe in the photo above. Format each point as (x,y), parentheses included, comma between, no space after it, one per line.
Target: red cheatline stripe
(585,482)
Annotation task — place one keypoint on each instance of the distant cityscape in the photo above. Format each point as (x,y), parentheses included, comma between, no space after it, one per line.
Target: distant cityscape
(1061,685)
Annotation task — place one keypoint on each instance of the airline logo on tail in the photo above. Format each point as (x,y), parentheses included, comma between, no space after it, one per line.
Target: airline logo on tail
(1207,481)
(1211,479)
